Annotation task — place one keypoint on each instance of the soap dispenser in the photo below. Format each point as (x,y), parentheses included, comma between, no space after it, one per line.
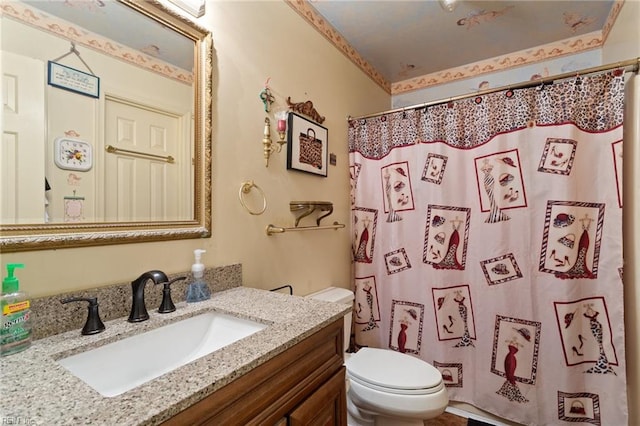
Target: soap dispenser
(198,290)
(15,334)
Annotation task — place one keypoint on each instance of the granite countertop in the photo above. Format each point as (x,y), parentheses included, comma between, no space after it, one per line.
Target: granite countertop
(36,390)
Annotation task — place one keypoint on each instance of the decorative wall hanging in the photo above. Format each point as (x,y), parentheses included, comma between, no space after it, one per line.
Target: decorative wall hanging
(73,154)
(305,108)
(73,206)
(307,146)
(267,98)
(73,80)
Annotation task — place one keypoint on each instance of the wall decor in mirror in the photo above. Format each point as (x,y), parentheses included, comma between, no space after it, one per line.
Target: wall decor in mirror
(116,146)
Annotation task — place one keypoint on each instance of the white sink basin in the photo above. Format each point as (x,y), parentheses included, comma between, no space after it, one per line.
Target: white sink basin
(123,365)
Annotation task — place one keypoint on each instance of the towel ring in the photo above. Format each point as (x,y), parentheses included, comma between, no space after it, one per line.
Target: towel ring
(246,188)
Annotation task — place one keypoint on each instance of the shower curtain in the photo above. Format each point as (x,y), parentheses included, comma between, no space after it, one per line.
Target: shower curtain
(487,241)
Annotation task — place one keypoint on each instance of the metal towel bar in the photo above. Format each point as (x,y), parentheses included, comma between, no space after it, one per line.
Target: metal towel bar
(279,230)
(112,149)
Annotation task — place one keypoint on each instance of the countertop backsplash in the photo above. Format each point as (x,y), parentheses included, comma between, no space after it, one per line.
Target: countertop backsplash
(51,317)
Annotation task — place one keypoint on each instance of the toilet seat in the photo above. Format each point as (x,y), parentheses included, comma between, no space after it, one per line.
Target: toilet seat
(393,372)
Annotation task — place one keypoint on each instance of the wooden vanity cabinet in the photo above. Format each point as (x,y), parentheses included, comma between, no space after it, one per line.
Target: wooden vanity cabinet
(326,406)
(304,385)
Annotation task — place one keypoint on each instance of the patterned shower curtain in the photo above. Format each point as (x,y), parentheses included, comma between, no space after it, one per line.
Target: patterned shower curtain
(487,241)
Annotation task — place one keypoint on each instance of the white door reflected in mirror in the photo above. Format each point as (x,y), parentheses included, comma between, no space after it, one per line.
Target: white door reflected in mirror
(146,174)
(22,152)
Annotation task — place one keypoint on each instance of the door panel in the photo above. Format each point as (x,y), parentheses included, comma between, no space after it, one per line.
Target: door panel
(139,187)
(23,136)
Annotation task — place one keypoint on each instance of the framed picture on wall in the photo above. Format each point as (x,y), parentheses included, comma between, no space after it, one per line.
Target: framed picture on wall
(307,145)
(74,80)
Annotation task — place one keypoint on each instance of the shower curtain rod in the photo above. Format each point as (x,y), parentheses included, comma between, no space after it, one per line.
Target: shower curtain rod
(631,65)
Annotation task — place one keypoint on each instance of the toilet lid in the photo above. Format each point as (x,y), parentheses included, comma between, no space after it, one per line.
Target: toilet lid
(384,368)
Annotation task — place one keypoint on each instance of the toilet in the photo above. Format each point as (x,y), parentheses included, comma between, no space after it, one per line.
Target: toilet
(385,387)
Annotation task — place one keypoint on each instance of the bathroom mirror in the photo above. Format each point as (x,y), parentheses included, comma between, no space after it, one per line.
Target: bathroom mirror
(111,140)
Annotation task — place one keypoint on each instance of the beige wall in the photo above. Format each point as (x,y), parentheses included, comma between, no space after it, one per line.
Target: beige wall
(253,41)
(624,43)
(631,248)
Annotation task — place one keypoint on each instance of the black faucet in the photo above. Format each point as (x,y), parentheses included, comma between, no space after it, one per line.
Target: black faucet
(94,324)
(138,309)
(167,305)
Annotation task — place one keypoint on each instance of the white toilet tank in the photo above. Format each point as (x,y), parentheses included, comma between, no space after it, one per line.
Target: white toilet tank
(338,295)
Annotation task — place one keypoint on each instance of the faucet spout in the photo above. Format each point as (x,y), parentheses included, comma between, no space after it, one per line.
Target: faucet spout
(138,308)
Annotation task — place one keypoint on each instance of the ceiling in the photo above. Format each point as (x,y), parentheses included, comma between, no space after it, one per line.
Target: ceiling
(403,45)
(406,45)
(115,22)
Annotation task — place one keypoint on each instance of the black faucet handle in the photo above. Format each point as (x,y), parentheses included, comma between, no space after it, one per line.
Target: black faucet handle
(94,324)
(167,304)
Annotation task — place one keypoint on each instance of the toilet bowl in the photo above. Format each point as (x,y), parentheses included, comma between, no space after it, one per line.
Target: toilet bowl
(386,387)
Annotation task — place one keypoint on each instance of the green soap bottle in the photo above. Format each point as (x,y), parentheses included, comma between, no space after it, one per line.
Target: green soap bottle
(15,334)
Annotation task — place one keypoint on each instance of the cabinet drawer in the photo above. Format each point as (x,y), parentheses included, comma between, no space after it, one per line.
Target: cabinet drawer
(326,406)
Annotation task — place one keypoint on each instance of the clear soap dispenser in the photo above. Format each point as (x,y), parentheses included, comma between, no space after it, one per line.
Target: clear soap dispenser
(197,290)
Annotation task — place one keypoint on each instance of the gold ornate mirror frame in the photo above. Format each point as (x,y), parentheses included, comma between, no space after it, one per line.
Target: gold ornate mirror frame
(29,237)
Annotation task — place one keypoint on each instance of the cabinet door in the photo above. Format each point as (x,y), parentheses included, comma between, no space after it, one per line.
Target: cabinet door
(327,406)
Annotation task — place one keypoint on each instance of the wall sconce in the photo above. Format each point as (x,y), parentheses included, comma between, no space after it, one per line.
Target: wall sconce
(281,116)
(267,144)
